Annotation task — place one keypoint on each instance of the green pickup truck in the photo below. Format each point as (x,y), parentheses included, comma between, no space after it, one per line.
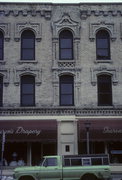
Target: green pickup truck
(68,167)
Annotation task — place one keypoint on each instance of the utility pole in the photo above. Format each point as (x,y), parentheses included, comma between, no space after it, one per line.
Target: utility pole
(2,151)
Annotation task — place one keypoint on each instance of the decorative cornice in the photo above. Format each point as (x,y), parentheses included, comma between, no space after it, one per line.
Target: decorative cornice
(62,111)
(86,13)
(46,13)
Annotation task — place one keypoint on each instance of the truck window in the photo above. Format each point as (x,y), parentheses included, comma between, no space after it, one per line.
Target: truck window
(50,162)
(105,161)
(86,162)
(66,162)
(75,162)
(96,161)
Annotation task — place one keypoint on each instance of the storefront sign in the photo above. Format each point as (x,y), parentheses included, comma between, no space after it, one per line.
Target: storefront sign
(21,130)
(109,130)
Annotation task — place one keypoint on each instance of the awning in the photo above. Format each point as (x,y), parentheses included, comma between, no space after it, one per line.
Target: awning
(33,130)
(101,130)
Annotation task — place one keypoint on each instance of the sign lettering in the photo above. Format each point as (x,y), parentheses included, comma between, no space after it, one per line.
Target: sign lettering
(109,130)
(21,130)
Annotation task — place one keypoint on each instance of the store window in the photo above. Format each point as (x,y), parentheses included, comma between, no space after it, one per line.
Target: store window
(28,45)
(104,90)
(1,90)
(27,90)
(15,154)
(103,45)
(66,45)
(66,90)
(1,45)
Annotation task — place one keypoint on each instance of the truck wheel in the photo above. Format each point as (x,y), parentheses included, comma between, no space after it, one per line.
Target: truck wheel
(26,178)
(89,177)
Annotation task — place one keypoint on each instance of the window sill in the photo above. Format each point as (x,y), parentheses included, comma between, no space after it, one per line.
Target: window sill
(2,62)
(106,107)
(27,61)
(65,60)
(103,61)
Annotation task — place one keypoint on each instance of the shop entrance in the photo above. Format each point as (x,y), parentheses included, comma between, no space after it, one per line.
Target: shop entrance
(39,150)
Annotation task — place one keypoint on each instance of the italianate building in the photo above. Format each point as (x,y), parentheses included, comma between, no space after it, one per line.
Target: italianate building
(60,80)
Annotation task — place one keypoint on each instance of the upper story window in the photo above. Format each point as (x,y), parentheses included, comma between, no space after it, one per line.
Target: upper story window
(104,90)
(1,90)
(27,90)
(1,45)
(102,45)
(66,90)
(65,45)
(28,45)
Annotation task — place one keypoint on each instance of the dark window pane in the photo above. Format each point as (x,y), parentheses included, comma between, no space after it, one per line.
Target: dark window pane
(27,88)
(27,100)
(1,42)
(96,161)
(66,100)
(28,54)
(66,45)
(66,90)
(105,99)
(28,91)
(104,90)
(103,45)
(102,52)
(1,55)
(1,45)
(66,54)
(28,45)
(75,162)
(1,90)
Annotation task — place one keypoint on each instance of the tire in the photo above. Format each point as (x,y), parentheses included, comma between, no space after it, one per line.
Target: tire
(89,177)
(26,178)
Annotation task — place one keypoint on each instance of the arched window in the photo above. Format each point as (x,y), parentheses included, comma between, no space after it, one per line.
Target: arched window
(1,46)
(1,90)
(104,90)
(27,45)
(66,45)
(27,90)
(66,90)
(103,45)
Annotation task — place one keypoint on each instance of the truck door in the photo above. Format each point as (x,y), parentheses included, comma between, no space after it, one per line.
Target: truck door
(50,169)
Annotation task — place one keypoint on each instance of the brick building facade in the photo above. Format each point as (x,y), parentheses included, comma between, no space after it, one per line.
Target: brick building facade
(60,70)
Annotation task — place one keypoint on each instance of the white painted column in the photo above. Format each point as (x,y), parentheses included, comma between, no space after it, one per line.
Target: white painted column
(29,154)
(106,147)
(67,136)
